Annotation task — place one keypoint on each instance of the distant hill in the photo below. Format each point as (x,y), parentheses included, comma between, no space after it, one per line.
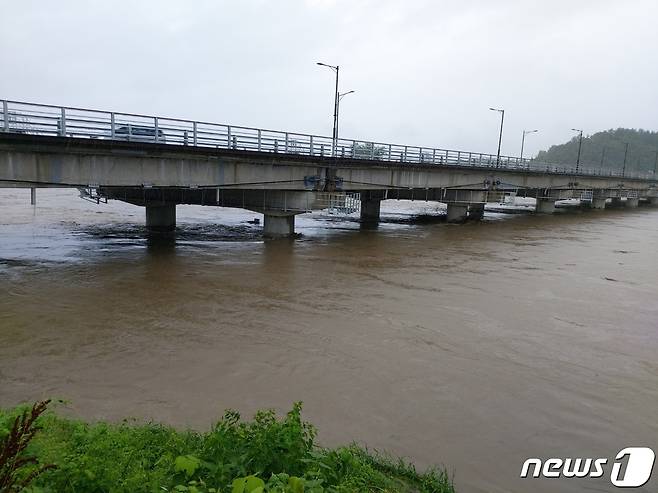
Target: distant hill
(606,149)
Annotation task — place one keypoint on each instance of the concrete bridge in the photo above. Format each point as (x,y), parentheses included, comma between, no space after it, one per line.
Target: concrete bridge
(159,162)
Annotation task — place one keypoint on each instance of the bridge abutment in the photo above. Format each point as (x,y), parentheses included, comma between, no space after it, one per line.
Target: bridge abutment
(545,206)
(161,218)
(277,225)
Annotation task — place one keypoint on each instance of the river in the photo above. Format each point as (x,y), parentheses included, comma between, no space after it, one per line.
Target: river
(472,346)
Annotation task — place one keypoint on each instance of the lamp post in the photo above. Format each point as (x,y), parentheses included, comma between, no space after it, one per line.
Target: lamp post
(335,68)
(526,132)
(580,146)
(623,170)
(340,96)
(500,137)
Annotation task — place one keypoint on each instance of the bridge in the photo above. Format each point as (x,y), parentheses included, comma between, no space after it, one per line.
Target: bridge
(159,162)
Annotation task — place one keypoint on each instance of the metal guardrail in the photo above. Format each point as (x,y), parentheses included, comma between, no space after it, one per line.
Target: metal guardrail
(43,119)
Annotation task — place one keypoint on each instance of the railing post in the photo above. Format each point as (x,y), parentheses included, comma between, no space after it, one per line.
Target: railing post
(5,115)
(259,140)
(112,120)
(433,156)
(62,127)
(155,124)
(194,133)
(389,152)
(311,148)
(372,152)
(228,137)
(286,148)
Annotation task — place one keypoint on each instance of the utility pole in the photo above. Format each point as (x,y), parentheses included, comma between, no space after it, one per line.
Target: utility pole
(623,171)
(525,132)
(500,136)
(334,138)
(580,146)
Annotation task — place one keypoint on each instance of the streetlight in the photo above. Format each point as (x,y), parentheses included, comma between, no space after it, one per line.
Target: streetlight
(500,137)
(526,132)
(340,96)
(623,170)
(580,145)
(335,68)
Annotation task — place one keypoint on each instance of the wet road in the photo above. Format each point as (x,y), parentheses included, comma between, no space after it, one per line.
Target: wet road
(474,346)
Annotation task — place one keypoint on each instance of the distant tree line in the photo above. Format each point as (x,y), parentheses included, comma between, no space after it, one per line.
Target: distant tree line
(607,149)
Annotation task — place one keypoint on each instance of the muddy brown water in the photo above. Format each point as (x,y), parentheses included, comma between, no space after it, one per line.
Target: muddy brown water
(472,346)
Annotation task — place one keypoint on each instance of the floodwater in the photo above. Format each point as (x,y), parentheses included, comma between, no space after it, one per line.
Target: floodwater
(473,346)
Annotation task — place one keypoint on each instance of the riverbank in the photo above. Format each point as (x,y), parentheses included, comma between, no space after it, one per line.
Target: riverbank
(271,453)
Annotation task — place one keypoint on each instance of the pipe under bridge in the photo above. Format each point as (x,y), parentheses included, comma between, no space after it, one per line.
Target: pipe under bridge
(160,162)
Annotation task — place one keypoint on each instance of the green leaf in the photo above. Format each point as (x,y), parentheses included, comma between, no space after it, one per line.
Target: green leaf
(187,464)
(296,485)
(254,485)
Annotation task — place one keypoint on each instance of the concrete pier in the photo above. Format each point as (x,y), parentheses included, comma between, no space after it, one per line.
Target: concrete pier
(476,211)
(457,213)
(632,203)
(545,206)
(598,203)
(279,225)
(161,218)
(370,210)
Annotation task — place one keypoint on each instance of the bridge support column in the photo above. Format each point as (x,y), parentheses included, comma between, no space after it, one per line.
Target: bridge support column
(632,203)
(370,210)
(653,201)
(278,225)
(161,218)
(457,213)
(598,203)
(545,206)
(476,211)
(616,202)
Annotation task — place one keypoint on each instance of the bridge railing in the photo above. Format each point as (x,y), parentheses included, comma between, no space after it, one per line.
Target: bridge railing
(41,119)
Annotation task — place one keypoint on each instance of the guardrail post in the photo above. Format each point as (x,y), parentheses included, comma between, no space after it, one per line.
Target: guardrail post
(433,156)
(286,148)
(5,116)
(311,148)
(390,148)
(62,126)
(372,152)
(194,133)
(112,125)
(259,140)
(155,124)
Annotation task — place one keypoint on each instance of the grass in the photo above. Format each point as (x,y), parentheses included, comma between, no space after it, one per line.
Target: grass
(266,454)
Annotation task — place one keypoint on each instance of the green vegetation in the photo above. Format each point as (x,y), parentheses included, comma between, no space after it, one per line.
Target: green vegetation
(267,454)
(607,149)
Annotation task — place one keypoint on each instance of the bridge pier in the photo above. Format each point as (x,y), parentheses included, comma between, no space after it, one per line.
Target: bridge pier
(653,201)
(161,218)
(616,202)
(370,209)
(632,203)
(476,211)
(598,203)
(545,206)
(457,213)
(278,225)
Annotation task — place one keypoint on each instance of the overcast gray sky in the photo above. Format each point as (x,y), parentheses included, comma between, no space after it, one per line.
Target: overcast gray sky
(424,72)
